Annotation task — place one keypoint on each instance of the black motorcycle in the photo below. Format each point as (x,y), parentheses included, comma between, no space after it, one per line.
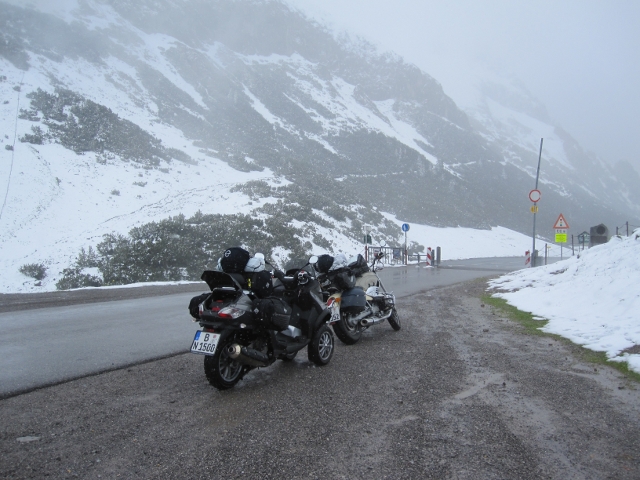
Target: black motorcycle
(242,331)
(356,297)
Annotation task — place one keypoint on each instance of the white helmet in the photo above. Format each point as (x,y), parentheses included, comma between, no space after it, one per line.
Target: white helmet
(339,261)
(255,264)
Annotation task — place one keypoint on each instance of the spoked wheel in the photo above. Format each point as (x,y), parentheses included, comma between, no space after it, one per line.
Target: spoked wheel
(320,350)
(347,333)
(394,320)
(221,370)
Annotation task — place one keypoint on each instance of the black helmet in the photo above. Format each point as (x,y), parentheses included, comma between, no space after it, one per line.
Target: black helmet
(324,263)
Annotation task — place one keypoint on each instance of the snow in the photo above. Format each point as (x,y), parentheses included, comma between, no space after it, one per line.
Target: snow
(592,298)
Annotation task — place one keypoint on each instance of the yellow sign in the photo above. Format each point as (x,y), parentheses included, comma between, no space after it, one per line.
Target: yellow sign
(561,238)
(534,208)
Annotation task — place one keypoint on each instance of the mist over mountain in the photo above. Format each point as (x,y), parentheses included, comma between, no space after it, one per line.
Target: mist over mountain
(320,133)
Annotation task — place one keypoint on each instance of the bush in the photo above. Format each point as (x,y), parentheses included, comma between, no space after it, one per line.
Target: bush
(75,278)
(37,138)
(34,270)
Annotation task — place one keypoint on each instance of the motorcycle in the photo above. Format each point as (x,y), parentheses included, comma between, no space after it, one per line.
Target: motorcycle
(356,297)
(242,331)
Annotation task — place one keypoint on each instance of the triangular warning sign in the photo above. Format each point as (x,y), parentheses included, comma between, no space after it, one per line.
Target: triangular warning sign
(561,222)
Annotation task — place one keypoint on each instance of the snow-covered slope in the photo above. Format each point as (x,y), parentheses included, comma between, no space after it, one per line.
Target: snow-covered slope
(591,299)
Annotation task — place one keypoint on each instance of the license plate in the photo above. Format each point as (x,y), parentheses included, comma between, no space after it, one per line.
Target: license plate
(205,343)
(335,312)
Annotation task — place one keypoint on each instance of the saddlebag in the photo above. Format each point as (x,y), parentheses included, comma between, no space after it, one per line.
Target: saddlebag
(359,267)
(343,279)
(260,283)
(353,300)
(272,312)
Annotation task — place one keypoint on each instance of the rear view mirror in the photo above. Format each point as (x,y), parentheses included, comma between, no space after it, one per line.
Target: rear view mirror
(313,259)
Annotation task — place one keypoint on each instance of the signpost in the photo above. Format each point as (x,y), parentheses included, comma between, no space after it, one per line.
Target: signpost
(534,196)
(405,229)
(561,226)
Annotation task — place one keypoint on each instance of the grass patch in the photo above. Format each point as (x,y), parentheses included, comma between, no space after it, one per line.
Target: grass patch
(523,318)
(532,327)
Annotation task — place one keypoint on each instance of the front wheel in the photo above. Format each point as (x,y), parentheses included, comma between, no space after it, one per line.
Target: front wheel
(320,350)
(394,320)
(221,370)
(347,333)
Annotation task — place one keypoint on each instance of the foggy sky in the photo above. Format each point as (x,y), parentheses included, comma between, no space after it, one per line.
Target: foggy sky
(579,57)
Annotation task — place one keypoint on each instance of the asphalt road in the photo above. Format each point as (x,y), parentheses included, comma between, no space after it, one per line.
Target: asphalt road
(459,393)
(50,338)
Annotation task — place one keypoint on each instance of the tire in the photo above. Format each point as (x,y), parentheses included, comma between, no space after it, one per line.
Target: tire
(222,371)
(320,350)
(345,332)
(394,320)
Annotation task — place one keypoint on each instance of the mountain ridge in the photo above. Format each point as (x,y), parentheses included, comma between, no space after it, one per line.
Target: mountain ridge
(274,96)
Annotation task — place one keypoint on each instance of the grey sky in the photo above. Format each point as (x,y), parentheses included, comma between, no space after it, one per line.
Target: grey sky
(579,57)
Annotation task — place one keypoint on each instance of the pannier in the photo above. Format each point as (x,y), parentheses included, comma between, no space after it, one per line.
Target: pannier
(353,300)
(234,260)
(359,266)
(272,312)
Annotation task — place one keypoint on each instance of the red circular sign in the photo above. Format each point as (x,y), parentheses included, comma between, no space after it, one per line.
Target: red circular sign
(534,196)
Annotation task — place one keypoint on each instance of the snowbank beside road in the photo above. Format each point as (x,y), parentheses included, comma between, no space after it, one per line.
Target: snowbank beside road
(593,298)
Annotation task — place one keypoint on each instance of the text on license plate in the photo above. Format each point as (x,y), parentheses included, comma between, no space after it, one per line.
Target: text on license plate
(335,312)
(205,342)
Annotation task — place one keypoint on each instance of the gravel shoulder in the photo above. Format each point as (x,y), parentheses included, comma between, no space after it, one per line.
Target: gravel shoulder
(459,393)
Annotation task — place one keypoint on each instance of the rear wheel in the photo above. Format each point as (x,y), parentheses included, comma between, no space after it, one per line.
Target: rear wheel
(320,350)
(221,370)
(394,320)
(347,333)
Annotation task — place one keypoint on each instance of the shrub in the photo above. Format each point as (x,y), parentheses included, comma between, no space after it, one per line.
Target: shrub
(75,278)
(36,138)
(34,270)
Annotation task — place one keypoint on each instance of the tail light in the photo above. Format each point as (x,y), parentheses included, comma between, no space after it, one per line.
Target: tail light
(230,312)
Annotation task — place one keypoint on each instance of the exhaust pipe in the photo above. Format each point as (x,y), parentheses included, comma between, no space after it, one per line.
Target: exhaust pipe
(247,356)
(367,322)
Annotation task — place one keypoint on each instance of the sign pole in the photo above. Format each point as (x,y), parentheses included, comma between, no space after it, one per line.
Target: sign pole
(406,255)
(533,250)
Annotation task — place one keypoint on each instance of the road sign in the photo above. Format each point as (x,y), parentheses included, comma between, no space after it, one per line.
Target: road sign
(561,222)
(534,209)
(534,196)
(405,227)
(561,237)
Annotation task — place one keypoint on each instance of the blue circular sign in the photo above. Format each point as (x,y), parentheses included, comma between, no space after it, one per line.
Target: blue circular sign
(405,227)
